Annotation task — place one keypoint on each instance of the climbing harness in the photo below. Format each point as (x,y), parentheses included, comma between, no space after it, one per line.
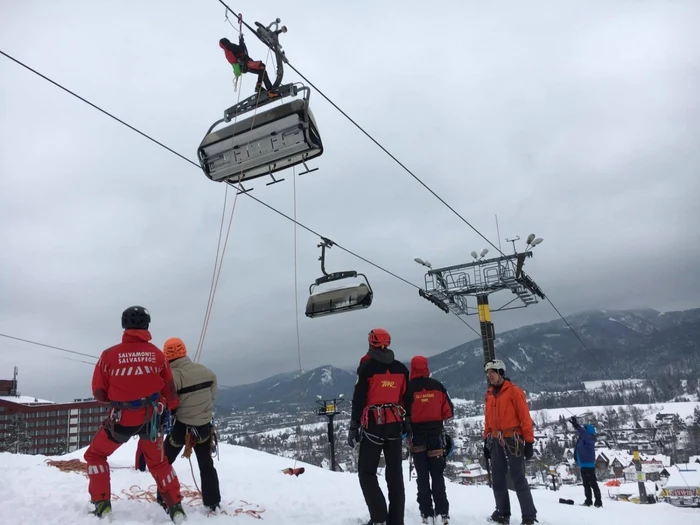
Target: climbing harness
(513,443)
(380,411)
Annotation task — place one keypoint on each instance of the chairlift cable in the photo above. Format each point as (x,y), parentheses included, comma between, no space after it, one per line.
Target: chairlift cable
(248,194)
(420,181)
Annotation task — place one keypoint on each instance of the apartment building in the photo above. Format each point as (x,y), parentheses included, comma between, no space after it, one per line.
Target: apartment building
(30,425)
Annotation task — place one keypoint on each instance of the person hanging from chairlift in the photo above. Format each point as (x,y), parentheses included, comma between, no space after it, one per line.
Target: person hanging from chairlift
(379,422)
(237,56)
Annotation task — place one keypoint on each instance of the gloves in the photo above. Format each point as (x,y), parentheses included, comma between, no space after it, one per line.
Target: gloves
(487,450)
(406,430)
(574,422)
(353,434)
(528,451)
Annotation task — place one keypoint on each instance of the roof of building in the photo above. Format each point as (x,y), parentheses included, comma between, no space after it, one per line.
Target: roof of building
(26,400)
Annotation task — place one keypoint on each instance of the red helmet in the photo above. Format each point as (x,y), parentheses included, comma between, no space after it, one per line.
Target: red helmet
(379,338)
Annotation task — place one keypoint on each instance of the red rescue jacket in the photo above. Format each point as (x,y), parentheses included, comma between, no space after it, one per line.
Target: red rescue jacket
(132,370)
(378,401)
(430,402)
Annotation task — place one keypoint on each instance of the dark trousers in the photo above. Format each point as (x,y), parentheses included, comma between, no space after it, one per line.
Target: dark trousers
(202,449)
(430,461)
(509,456)
(590,484)
(368,461)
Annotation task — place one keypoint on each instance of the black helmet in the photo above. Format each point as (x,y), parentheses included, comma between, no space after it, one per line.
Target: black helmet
(135,318)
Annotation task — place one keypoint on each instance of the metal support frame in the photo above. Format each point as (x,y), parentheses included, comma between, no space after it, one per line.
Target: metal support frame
(329,408)
(450,287)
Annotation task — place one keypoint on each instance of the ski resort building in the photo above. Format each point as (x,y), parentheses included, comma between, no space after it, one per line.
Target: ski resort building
(29,425)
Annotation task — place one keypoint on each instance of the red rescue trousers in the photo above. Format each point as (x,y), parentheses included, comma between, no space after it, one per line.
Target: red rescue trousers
(102,447)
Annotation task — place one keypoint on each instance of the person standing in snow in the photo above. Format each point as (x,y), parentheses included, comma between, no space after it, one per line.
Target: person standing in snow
(135,378)
(377,423)
(430,406)
(508,441)
(585,457)
(196,387)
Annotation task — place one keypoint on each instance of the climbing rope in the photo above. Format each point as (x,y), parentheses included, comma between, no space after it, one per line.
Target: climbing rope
(218,263)
(296,317)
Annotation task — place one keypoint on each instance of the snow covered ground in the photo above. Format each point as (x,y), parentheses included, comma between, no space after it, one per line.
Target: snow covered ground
(33,492)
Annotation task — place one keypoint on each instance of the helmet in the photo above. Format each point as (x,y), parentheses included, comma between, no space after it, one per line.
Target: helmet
(496,364)
(379,338)
(174,348)
(136,318)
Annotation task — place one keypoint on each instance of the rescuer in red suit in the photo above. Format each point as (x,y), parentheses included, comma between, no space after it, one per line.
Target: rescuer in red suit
(135,378)
(430,407)
(377,422)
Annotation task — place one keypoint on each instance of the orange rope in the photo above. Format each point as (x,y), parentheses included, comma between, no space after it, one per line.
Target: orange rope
(190,497)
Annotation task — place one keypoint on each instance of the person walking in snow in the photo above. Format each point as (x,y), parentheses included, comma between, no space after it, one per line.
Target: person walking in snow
(430,406)
(377,423)
(508,441)
(193,429)
(585,457)
(135,378)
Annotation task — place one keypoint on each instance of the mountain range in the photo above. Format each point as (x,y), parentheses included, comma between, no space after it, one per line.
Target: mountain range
(542,357)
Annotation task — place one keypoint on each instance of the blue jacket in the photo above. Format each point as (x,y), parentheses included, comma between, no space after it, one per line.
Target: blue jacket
(585,447)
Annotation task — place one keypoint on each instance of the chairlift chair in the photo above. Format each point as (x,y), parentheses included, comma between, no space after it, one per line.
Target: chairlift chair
(262,144)
(337,300)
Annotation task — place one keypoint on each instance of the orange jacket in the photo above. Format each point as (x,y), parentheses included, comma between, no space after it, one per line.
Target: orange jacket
(507,412)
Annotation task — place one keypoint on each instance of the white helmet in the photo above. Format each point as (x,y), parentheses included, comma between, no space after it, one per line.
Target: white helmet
(496,364)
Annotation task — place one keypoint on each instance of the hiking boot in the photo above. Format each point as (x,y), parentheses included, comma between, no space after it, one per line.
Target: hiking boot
(497,517)
(102,508)
(177,513)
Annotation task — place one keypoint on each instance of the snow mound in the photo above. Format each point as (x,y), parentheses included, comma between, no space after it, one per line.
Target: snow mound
(32,491)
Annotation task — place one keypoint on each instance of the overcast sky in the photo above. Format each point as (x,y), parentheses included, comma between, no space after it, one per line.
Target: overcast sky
(578,123)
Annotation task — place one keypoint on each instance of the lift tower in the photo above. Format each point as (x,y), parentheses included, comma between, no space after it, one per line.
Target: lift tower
(451,287)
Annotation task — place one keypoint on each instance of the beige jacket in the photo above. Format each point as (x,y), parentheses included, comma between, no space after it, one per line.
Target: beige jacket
(196,407)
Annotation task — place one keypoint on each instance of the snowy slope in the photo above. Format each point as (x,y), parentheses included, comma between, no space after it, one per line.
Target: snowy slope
(33,492)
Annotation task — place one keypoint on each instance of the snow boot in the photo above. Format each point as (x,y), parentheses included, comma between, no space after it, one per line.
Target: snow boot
(529,521)
(442,519)
(102,508)
(177,513)
(598,504)
(587,503)
(497,517)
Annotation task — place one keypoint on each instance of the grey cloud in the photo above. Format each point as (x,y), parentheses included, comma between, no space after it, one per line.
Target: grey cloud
(579,124)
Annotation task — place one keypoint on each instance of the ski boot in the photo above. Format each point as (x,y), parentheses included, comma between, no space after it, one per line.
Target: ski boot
(102,508)
(497,517)
(161,502)
(176,513)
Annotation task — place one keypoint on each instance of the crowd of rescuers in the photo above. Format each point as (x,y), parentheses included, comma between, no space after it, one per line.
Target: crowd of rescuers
(391,404)
(167,400)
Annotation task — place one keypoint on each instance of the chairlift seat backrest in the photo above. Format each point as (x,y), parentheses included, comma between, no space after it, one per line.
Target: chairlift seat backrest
(262,144)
